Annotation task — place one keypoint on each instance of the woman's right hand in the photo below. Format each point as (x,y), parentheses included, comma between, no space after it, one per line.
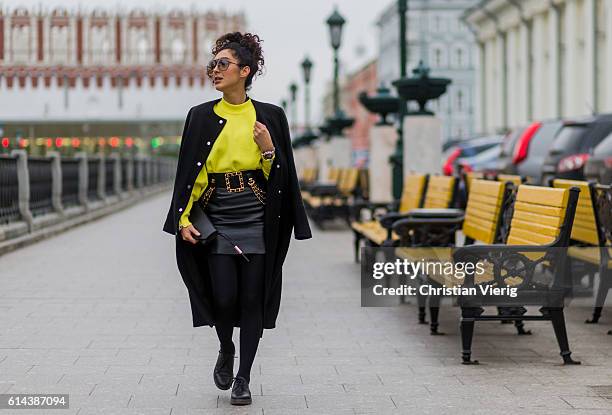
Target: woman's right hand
(188,232)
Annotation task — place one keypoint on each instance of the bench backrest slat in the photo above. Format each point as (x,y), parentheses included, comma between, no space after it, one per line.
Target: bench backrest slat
(584,228)
(332,174)
(412,193)
(440,192)
(483,210)
(348,181)
(539,213)
(470,176)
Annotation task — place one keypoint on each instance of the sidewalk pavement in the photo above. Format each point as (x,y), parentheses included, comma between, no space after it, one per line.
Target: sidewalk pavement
(100,312)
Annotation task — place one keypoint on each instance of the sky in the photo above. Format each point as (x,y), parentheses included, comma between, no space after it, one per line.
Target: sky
(290,29)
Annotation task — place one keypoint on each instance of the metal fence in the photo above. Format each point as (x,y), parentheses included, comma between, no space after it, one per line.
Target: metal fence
(34,186)
(41,185)
(70,181)
(9,190)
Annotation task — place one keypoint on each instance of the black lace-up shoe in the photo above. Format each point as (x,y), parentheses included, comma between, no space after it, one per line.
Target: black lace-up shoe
(241,395)
(224,371)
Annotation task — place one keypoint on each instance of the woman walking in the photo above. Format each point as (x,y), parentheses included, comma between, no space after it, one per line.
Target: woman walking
(236,160)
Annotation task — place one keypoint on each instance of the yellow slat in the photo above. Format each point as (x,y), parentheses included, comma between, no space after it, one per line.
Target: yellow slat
(533,227)
(527,237)
(479,234)
(542,195)
(538,209)
(554,221)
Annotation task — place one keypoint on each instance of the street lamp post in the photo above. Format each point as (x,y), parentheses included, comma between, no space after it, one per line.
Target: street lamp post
(308,136)
(293,91)
(306,68)
(397,158)
(338,121)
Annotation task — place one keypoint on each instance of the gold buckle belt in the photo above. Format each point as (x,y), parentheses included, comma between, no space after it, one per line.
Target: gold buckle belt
(234,181)
(228,184)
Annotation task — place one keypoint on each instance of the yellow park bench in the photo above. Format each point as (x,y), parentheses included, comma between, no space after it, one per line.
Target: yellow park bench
(589,240)
(308,177)
(327,201)
(435,194)
(481,224)
(539,235)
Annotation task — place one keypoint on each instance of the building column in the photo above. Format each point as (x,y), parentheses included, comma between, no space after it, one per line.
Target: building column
(482,89)
(608,66)
(569,83)
(502,60)
(554,73)
(527,71)
(590,52)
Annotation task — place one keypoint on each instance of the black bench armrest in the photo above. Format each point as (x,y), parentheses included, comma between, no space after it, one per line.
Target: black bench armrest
(324,190)
(423,231)
(388,219)
(403,226)
(436,213)
(361,205)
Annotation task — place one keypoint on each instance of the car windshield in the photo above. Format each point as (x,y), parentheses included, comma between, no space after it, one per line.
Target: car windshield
(488,154)
(473,150)
(605,147)
(568,139)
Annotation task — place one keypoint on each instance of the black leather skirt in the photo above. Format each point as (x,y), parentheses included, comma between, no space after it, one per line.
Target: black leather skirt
(235,203)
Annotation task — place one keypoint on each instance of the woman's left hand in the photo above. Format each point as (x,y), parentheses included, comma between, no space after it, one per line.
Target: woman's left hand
(262,137)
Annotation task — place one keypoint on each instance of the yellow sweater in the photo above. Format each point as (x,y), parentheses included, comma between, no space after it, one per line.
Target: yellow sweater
(235,149)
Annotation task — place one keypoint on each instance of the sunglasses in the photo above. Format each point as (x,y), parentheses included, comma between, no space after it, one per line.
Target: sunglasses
(222,63)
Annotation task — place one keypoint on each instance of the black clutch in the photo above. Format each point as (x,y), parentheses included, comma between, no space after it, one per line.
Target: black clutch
(202,223)
(200,220)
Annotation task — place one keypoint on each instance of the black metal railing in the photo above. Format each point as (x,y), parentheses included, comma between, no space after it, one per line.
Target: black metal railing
(109,176)
(124,174)
(70,181)
(41,185)
(138,173)
(92,178)
(9,190)
(42,171)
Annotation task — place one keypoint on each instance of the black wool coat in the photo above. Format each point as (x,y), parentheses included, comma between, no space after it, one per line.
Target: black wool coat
(284,209)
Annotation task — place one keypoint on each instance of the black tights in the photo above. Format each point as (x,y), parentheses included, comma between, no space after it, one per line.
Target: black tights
(233,280)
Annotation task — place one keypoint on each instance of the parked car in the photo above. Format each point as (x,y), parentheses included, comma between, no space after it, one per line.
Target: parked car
(469,148)
(572,146)
(485,161)
(452,143)
(531,150)
(504,163)
(599,165)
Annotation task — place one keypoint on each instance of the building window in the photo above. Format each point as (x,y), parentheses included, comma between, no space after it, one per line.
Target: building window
(178,51)
(459,58)
(438,57)
(459,100)
(142,49)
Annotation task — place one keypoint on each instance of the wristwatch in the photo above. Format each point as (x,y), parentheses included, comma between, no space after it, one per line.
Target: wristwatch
(268,155)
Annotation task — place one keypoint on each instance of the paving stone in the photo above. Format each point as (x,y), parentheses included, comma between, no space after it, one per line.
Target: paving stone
(120,340)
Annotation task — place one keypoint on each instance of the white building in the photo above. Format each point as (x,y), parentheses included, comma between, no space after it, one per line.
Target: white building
(542,59)
(106,64)
(436,35)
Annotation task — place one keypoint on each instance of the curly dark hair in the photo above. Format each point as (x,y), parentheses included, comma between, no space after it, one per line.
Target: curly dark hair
(246,48)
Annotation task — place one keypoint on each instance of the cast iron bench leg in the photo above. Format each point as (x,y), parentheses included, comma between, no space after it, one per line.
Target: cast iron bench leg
(558,321)
(468,315)
(602,293)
